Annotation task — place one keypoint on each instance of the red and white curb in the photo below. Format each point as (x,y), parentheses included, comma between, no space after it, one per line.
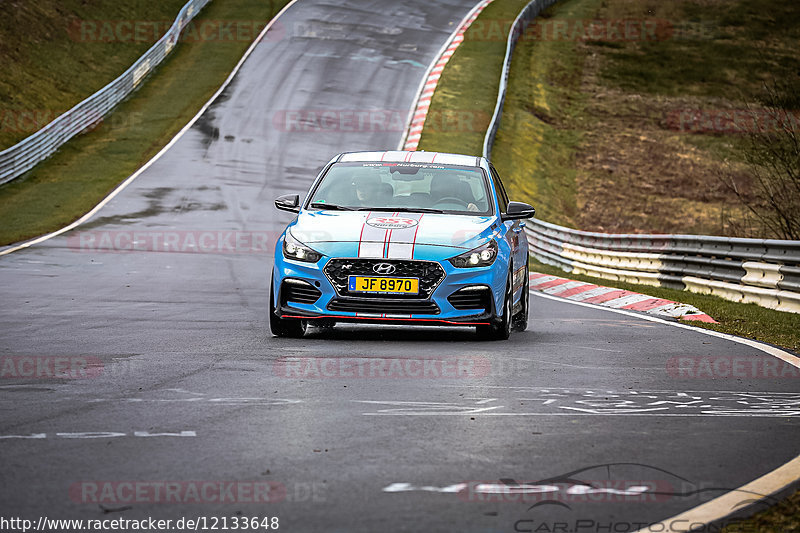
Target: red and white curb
(581,291)
(420,112)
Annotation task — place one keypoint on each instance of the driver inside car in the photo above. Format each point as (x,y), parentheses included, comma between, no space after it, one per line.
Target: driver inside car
(449,188)
(366,189)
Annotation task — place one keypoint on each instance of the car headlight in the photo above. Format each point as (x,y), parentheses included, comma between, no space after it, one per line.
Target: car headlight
(477,257)
(297,251)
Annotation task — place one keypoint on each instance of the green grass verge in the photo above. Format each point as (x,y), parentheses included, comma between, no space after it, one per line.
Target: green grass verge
(469,87)
(534,147)
(783,517)
(725,50)
(585,120)
(53,57)
(75,179)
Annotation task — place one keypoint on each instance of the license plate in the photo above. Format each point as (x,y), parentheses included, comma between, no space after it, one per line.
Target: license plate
(383,285)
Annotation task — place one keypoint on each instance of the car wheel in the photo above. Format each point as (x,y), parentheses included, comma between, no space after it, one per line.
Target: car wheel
(521,318)
(283,327)
(501,329)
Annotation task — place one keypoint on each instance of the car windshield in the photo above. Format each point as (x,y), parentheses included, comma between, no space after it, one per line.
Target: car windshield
(403,187)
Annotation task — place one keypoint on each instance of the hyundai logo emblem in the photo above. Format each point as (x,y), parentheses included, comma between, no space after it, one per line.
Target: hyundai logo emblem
(384,268)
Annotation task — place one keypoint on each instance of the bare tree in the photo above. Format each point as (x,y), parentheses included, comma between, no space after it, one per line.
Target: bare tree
(772,155)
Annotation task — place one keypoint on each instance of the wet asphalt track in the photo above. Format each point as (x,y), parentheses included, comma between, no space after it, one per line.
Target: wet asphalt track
(181,344)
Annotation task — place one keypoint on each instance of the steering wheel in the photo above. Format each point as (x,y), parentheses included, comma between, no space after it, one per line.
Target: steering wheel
(451,200)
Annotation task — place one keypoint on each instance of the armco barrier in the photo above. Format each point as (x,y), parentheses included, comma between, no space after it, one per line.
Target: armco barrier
(21,157)
(518,28)
(765,272)
(761,271)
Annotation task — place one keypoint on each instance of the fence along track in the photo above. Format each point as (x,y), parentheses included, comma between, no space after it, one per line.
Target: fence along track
(24,155)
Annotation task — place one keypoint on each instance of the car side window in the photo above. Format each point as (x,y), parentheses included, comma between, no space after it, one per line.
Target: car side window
(502,197)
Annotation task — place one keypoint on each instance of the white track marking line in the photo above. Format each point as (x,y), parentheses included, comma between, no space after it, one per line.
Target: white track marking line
(731,502)
(767,484)
(584,412)
(766,348)
(605,390)
(156,157)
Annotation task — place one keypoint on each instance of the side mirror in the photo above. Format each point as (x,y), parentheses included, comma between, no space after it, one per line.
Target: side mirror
(517,211)
(288,202)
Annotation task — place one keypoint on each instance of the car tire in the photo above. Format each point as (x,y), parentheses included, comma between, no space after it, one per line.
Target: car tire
(283,327)
(501,329)
(521,318)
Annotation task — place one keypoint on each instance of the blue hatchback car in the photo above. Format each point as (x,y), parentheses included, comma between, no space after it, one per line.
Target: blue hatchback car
(403,237)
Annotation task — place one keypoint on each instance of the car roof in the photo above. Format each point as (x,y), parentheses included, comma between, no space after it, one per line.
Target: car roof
(397,156)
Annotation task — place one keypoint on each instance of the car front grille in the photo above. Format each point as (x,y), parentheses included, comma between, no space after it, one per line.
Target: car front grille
(384,306)
(429,273)
(299,291)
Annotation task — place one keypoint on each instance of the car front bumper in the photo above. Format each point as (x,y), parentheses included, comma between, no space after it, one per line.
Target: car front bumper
(305,291)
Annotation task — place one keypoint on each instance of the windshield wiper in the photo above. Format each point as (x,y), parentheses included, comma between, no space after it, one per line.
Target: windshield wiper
(325,205)
(403,209)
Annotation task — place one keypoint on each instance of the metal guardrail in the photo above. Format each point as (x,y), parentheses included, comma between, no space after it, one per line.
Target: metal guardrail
(525,17)
(761,271)
(24,155)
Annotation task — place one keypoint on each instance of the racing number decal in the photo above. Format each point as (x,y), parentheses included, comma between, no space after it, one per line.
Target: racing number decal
(389,236)
(392,222)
